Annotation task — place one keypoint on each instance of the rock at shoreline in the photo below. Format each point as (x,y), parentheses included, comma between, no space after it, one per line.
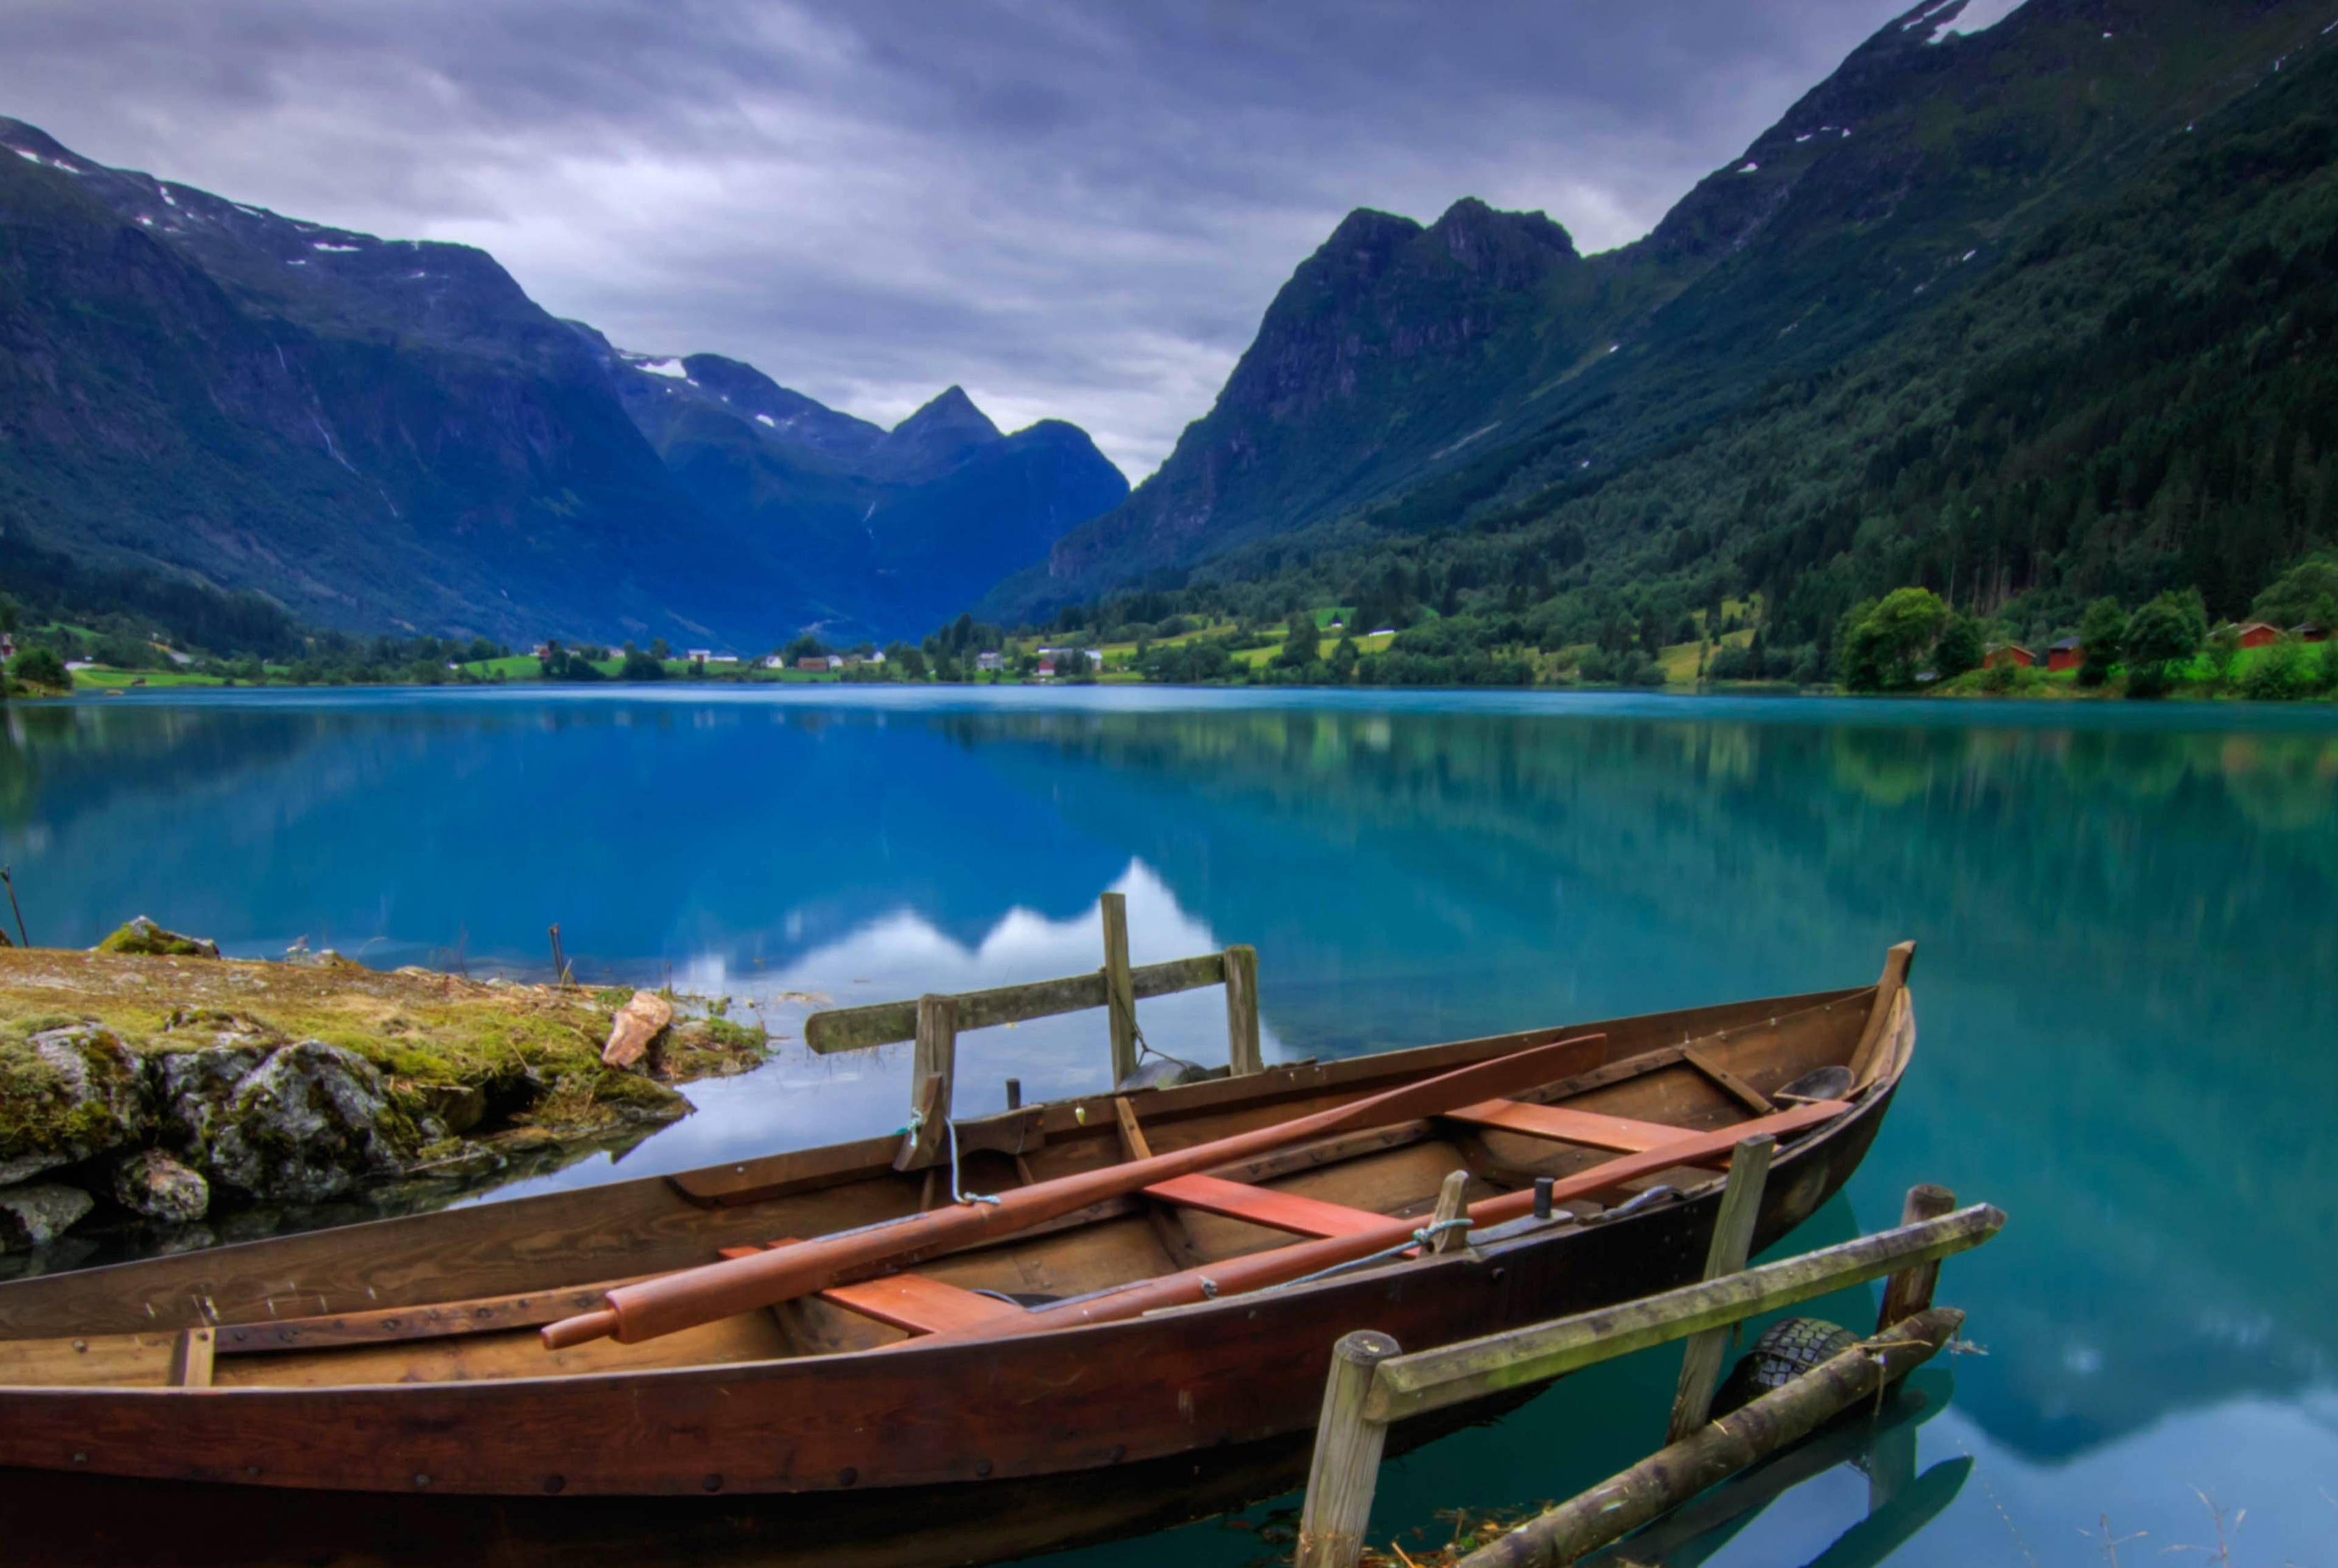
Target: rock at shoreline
(143,937)
(94,1096)
(38,1213)
(152,1183)
(310,1123)
(640,1023)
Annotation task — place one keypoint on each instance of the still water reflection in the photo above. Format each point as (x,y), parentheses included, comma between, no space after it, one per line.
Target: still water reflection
(2126,916)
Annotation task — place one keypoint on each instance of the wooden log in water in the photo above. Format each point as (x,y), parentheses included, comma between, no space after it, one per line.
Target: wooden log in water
(1671,1475)
(1473,1370)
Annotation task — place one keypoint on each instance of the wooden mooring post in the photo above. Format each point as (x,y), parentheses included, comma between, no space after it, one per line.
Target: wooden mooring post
(1345,1470)
(1371,1384)
(1733,1242)
(1116,986)
(1119,989)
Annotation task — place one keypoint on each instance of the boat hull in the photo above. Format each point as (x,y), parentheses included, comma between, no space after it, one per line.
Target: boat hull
(1079,1403)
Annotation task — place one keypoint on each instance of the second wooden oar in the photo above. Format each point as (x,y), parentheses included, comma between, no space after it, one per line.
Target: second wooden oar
(690,1296)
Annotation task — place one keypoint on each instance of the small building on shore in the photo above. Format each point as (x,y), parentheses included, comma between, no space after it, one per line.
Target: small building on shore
(2310,632)
(2066,653)
(2257,633)
(1047,671)
(991,660)
(813,663)
(2013,654)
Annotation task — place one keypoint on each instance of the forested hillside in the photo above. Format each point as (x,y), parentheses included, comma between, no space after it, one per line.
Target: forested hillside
(2111,376)
(231,426)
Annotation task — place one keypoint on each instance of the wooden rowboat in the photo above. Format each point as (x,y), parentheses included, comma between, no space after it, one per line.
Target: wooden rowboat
(390,1378)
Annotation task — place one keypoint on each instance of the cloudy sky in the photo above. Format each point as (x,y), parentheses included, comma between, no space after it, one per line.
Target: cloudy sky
(1076,210)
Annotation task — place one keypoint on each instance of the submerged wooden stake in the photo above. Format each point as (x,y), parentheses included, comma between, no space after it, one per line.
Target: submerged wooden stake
(1345,1470)
(1671,1475)
(1910,1291)
(1733,1242)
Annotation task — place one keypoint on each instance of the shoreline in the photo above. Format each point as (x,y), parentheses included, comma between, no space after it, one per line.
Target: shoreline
(152,1092)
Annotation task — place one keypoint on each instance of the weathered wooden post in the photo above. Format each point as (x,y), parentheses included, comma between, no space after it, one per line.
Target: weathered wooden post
(1346,1469)
(1452,1203)
(1241,1010)
(1119,990)
(1732,1240)
(933,1066)
(1910,1291)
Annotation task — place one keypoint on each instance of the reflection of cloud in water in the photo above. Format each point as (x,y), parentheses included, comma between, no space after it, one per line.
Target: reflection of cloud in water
(799,1099)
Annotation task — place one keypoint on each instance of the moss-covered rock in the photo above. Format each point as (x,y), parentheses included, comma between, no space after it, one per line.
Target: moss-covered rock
(311,1123)
(66,1094)
(143,937)
(153,1184)
(37,1213)
(282,1082)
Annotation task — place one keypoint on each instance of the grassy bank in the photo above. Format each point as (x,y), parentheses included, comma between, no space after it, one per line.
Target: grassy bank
(535,1049)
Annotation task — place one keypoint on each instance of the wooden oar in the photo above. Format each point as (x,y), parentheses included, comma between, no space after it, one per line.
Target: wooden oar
(690,1296)
(1282,1265)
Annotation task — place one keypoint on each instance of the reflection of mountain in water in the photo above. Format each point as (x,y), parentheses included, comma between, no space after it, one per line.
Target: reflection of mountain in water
(648,828)
(2122,987)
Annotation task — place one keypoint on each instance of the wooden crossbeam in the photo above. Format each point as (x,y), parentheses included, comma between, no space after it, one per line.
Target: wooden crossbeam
(1567,1125)
(1263,1206)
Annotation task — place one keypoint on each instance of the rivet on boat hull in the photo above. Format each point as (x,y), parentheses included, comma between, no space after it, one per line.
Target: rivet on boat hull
(847,1476)
(554,1482)
(712,1482)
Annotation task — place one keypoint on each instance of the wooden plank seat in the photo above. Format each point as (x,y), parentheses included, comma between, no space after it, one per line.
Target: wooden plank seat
(1263,1206)
(1567,1125)
(916,1302)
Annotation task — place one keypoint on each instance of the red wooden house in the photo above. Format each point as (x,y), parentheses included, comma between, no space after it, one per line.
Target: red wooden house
(2257,634)
(2067,654)
(2008,653)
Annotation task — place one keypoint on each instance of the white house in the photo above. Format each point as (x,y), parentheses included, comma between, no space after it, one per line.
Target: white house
(990,661)
(775,660)
(698,655)
(836,660)
(720,658)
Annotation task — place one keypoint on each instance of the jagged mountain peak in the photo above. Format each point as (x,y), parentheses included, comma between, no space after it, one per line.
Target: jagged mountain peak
(949,409)
(939,436)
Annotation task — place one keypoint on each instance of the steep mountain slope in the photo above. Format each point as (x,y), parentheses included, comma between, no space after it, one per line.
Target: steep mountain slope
(379,435)
(898,529)
(1465,392)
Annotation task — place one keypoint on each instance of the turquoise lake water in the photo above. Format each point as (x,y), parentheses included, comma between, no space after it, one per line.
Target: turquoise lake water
(2125,988)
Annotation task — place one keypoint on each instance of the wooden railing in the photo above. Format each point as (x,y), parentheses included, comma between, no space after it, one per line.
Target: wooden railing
(934,1022)
(1373,1383)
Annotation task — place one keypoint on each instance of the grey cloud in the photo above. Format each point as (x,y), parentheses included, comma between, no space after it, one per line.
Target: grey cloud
(1076,210)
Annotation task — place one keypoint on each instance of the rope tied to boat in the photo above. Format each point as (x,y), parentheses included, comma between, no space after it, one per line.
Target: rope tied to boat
(956,1189)
(1126,1009)
(958,1193)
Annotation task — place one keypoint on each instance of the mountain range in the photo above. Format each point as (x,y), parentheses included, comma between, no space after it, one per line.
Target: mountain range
(2025,312)
(380,435)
